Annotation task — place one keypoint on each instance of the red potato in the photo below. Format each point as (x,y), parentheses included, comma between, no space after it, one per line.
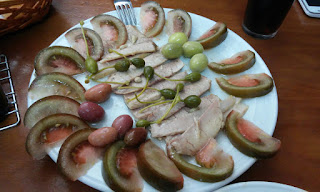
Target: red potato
(103,136)
(91,112)
(98,93)
(122,123)
(135,137)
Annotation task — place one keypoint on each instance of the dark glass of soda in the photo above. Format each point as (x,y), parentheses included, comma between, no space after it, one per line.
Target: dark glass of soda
(263,17)
(4,107)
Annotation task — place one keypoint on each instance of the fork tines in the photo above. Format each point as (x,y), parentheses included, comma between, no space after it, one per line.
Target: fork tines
(125,11)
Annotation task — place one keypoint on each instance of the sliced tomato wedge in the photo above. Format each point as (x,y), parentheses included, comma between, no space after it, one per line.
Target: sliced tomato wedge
(244,81)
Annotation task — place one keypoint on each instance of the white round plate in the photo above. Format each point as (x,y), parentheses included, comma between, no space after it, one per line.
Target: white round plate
(261,186)
(262,111)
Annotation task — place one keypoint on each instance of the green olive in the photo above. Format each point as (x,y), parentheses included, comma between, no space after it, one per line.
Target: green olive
(192,101)
(198,62)
(143,123)
(191,48)
(168,93)
(148,72)
(178,38)
(138,62)
(171,51)
(179,87)
(193,77)
(122,65)
(91,65)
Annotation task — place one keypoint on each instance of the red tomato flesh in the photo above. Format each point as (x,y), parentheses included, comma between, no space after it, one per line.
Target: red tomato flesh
(243,81)
(206,156)
(110,32)
(149,20)
(127,161)
(83,153)
(56,134)
(232,60)
(208,34)
(249,130)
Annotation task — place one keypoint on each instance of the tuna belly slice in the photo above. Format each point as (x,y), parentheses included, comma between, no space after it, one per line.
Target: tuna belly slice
(166,70)
(180,122)
(152,60)
(156,112)
(150,94)
(135,36)
(146,47)
(198,134)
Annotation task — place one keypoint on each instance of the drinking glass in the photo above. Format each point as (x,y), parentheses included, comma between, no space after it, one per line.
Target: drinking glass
(263,17)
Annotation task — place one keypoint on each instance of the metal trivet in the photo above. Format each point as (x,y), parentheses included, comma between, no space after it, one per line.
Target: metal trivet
(5,78)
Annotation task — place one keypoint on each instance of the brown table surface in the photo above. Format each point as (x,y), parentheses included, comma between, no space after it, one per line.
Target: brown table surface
(292,57)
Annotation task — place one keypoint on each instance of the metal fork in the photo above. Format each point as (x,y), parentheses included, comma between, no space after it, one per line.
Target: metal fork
(125,11)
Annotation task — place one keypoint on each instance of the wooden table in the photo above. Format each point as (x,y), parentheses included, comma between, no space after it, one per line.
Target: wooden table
(292,57)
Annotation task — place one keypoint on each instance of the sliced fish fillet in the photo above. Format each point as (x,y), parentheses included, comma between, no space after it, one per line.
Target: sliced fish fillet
(180,122)
(135,36)
(197,135)
(152,60)
(152,95)
(156,112)
(166,70)
(146,47)
(109,71)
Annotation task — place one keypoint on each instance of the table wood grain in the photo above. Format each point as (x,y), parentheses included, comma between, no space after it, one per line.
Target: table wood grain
(292,57)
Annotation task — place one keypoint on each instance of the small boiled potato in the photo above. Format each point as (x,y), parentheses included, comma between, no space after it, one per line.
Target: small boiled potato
(91,112)
(103,136)
(136,136)
(98,93)
(122,123)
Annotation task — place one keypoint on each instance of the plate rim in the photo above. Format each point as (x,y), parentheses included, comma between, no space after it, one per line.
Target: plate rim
(267,184)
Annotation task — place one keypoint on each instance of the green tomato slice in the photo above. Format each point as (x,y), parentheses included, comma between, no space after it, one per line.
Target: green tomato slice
(220,171)
(56,84)
(213,36)
(263,87)
(266,146)
(59,59)
(113,177)
(236,64)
